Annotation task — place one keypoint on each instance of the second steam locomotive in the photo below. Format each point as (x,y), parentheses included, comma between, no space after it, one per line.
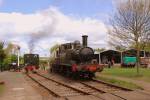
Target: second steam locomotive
(31,62)
(76,60)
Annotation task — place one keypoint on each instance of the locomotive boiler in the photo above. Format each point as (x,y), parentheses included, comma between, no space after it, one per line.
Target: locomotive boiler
(75,60)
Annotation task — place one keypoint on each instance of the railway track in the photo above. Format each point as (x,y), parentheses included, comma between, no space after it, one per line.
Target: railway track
(63,89)
(104,86)
(84,89)
(57,89)
(68,89)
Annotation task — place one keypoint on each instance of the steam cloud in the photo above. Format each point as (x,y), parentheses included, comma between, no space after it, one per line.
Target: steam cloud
(47,28)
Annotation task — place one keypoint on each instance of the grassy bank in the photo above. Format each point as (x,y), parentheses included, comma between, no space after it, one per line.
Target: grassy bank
(1,89)
(121,83)
(128,73)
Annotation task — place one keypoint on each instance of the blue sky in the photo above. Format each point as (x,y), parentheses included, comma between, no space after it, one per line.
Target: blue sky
(57,20)
(82,8)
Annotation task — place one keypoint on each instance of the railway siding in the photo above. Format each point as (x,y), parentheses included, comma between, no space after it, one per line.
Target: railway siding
(119,93)
(91,90)
(57,89)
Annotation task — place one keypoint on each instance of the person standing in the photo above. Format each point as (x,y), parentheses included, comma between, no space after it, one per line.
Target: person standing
(109,64)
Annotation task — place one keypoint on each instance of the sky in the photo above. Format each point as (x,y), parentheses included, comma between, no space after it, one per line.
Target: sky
(40,24)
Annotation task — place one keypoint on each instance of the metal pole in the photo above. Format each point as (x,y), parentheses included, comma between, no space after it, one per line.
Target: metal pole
(18,56)
(121,57)
(144,54)
(100,58)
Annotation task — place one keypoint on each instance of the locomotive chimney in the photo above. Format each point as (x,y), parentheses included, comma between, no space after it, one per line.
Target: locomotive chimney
(84,40)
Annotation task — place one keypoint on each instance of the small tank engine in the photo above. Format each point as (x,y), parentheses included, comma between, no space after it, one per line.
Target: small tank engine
(74,59)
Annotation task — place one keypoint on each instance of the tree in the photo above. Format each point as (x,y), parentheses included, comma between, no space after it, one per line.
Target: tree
(2,54)
(131,25)
(119,48)
(14,58)
(147,47)
(54,48)
(99,49)
(9,49)
(12,49)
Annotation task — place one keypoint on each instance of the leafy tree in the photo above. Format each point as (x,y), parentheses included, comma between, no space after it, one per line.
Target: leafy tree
(119,48)
(99,49)
(2,54)
(131,25)
(54,48)
(147,47)
(9,49)
(13,58)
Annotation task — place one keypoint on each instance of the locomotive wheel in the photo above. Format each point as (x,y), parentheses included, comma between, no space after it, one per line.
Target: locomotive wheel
(91,75)
(75,75)
(68,74)
(51,70)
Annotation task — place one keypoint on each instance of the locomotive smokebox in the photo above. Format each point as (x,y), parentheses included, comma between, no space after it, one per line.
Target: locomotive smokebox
(84,40)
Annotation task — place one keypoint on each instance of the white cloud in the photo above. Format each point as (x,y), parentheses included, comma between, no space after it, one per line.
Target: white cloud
(53,26)
(19,23)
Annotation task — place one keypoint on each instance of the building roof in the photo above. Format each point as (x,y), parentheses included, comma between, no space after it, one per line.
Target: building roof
(110,50)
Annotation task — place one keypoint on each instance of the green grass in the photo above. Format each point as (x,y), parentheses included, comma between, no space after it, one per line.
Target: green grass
(144,73)
(1,89)
(121,83)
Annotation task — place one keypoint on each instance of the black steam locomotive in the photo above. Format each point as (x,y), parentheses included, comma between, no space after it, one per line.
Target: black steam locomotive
(75,60)
(31,62)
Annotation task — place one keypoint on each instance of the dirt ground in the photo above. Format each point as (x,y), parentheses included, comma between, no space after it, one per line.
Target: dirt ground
(17,88)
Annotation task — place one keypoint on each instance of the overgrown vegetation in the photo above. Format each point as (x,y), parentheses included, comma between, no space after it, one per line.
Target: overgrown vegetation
(121,83)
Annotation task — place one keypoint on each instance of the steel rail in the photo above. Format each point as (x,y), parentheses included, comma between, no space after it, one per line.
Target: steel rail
(52,92)
(79,90)
(102,90)
(112,85)
(99,90)
(94,80)
(93,87)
